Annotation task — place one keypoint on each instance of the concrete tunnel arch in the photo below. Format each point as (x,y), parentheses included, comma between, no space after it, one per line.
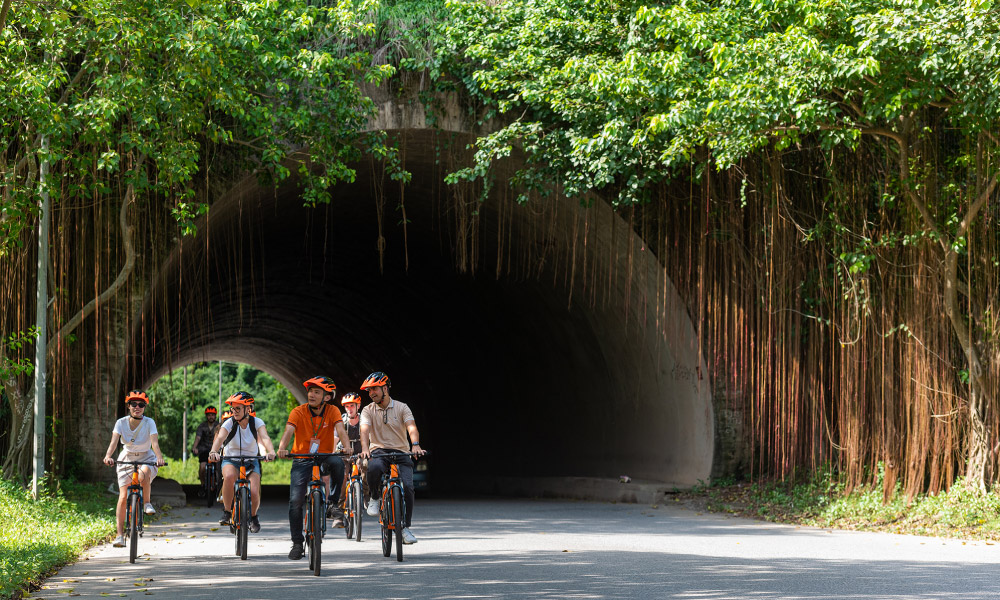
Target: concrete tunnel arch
(516,374)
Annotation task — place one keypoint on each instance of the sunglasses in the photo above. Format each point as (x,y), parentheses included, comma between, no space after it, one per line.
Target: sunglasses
(139,404)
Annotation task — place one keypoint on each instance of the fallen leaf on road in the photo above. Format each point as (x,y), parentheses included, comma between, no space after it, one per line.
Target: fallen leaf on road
(213,529)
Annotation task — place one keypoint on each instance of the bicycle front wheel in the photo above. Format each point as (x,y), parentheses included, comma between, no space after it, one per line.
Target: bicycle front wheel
(316,545)
(133,524)
(348,517)
(243,524)
(397,515)
(385,520)
(359,507)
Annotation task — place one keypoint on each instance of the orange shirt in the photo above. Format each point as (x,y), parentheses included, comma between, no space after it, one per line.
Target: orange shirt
(308,427)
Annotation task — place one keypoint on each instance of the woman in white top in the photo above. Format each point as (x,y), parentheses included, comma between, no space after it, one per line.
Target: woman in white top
(140,443)
(241,443)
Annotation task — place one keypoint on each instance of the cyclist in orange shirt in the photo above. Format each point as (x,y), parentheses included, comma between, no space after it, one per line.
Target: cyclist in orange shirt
(313,424)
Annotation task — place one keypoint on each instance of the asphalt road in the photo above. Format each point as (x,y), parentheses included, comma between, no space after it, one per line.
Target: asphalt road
(496,548)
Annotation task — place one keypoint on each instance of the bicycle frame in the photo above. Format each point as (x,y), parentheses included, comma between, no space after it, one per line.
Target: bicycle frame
(242,507)
(314,515)
(134,503)
(392,506)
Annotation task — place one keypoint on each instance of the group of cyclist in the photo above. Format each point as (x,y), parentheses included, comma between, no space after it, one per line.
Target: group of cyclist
(383,433)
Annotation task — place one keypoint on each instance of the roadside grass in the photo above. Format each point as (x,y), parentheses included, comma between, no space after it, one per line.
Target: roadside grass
(822,501)
(37,537)
(278,472)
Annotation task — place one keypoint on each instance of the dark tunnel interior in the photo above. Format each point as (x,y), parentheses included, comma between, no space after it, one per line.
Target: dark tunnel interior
(506,376)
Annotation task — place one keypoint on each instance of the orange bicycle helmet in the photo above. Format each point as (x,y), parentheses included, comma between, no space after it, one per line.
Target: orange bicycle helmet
(137,395)
(375,379)
(350,397)
(226,415)
(240,398)
(324,383)
(211,410)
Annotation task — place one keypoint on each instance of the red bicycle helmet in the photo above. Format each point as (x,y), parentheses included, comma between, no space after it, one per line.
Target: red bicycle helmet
(211,410)
(375,379)
(324,383)
(351,397)
(240,398)
(137,395)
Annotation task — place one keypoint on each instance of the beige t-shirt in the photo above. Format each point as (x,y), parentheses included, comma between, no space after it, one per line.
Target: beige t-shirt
(387,428)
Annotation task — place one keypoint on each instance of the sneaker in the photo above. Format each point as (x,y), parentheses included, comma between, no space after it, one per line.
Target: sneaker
(226,517)
(373,508)
(338,522)
(254,524)
(408,538)
(149,509)
(296,552)
(119,542)
(333,511)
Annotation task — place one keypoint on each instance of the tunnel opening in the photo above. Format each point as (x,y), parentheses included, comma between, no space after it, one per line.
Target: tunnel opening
(180,398)
(536,364)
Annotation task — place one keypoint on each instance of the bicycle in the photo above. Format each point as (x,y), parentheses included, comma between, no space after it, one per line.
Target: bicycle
(314,520)
(212,483)
(354,502)
(239,522)
(133,507)
(392,507)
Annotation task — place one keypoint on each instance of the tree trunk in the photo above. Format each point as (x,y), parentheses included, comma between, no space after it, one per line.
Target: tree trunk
(18,463)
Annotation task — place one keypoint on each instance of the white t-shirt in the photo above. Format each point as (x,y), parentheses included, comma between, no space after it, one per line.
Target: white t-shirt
(242,443)
(136,442)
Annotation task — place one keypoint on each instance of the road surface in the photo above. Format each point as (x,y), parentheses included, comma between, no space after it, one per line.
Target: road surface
(538,549)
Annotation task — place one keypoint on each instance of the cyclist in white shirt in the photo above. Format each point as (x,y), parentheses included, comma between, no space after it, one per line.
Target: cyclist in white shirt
(243,442)
(140,443)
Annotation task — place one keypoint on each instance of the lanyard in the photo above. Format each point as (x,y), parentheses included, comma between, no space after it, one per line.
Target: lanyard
(312,422)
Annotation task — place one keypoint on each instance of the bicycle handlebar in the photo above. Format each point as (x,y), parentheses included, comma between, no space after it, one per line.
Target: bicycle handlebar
(243,459)
(315,455)
(138,462)
(425,453)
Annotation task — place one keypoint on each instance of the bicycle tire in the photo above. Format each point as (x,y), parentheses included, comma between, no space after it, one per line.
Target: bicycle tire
(398,508)
(307,529)
(133,523)
(318,513)
(209,484)
(244,523)
(384,520)
(359,507)
(348,517)
(234,526)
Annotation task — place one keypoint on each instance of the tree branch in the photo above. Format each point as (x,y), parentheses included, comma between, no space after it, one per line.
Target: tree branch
(3,14)
(123,274)
(970,216)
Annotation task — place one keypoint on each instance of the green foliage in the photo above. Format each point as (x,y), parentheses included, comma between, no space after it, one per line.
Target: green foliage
(618,95)
(168,396)
(822,501)
(40,536)
(272,473)
(141,92)
(11,346)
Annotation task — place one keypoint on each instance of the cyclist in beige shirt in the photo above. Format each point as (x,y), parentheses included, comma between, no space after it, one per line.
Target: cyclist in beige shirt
(385,425)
